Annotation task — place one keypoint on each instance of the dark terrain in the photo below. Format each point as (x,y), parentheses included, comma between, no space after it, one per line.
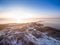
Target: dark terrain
(28,34)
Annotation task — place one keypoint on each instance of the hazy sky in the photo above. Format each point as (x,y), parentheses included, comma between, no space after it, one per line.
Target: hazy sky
(42,8)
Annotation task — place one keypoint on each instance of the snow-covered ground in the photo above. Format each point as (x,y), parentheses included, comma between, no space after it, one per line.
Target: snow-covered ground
(25,35)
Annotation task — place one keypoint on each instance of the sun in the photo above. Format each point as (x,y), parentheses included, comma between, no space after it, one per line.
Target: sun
(19,15)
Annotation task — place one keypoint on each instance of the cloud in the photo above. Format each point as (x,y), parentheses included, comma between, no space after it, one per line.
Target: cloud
(7,19)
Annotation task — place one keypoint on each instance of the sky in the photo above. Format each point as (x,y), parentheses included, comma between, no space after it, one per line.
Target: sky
(43,8)
(29,8)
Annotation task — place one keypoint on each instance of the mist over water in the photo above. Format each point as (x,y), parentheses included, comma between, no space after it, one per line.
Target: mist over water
(47,22)
(51,22)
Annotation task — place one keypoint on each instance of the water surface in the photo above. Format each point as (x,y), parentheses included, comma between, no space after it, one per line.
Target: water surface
(51,22)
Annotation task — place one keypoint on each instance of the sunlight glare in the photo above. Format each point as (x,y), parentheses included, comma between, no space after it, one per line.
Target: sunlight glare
(19,15)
